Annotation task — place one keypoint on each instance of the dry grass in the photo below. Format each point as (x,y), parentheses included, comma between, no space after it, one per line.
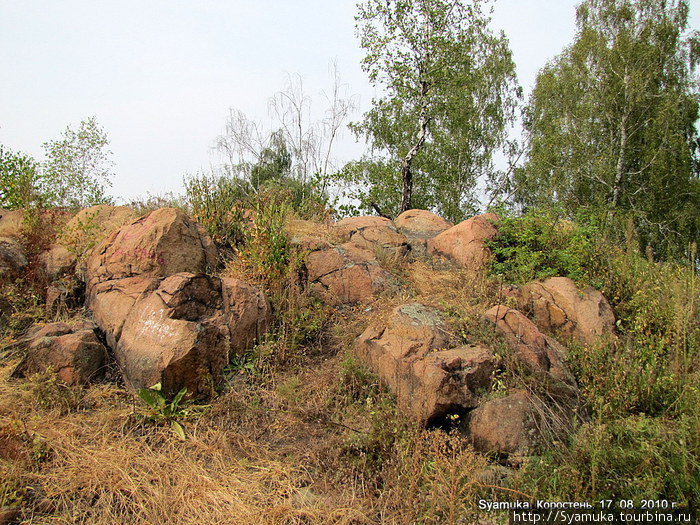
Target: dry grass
(101,465)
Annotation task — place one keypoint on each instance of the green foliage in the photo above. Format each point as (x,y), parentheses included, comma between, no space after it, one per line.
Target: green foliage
(19,177)
(217,203)
(639,387)
(611,122)
(449,94)
(543,244)
(164,411)
(268,257)
(635,457)
(77,171)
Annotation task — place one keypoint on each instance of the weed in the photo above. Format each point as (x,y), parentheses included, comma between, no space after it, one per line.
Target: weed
(164,411)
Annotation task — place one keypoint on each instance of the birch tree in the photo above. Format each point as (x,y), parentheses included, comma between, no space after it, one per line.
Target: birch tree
(611,121)
(448,93)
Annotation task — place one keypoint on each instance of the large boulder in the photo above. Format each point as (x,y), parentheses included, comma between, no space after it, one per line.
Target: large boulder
(557,305)
(376,234)
(410,353)
(532,348)
(111,302)
(11,223)
(178,331)
(176,335)
(161,243)
(420,225)
(507,425)
(465,242)
(12,256)
(84,230)
(351,225)
(74,353)
(57,260)
(345,274)
(385,242)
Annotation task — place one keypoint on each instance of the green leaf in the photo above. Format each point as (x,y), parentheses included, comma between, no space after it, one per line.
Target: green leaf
(177,428)
(178,397)
(149,397)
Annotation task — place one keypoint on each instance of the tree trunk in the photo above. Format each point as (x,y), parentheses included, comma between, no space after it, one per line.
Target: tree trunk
(620,166)
(406,174)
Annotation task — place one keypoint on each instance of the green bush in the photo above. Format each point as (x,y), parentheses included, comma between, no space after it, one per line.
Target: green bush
(642,438)
(218,204)
(19,178)
(543,244)
(626,458)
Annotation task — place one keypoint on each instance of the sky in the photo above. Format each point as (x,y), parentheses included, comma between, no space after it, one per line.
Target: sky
(160,76)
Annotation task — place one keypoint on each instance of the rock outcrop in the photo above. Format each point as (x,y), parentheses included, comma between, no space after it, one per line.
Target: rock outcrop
(419,226)
(161,243)
(166,320)
(410,353)
(12,256)
(532,348)
(557,305)
(465,242)
(74,353)
(351,225)
(345,274)
(179,331)
(376,234)
(507,425)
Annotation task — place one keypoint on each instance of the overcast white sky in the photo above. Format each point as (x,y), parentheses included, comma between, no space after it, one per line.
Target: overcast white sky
(160,75)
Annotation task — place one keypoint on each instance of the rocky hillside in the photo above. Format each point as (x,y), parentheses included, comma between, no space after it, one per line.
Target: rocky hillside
(359,371)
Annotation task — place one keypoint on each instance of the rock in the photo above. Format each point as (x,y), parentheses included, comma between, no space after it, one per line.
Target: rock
(351,225)
(248,313)
(381,240)
(74,353)
(447,382)
(57,260)
(464,243)
(161,243)
(12,256)
(421,224)
(111,302)
(408,353)
(558,306)
(506,425)
(11,223)
(535,350)
(178,331)
(176,335)
(376,234)
(345,274)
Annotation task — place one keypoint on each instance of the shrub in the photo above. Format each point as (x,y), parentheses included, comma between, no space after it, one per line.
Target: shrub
(543,244)
(217,203)
(19,177)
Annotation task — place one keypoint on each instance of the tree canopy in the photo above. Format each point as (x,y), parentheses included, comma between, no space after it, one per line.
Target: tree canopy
(448,94)
(78,167)
(611,121)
